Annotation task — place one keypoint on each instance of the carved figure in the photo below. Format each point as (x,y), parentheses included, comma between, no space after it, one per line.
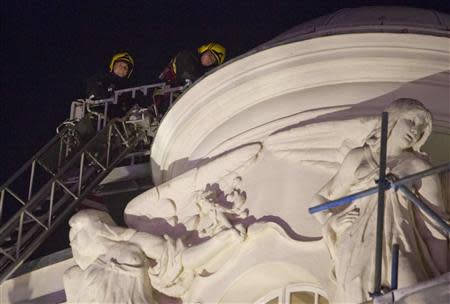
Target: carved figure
(211,217)
(111,264)
(350,231)
(114,262)
(186,199)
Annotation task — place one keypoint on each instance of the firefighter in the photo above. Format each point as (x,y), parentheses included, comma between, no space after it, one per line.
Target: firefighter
(189,65)
(186,67)
(102,85)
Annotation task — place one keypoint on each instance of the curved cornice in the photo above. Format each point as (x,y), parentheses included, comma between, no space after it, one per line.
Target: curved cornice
(255,78)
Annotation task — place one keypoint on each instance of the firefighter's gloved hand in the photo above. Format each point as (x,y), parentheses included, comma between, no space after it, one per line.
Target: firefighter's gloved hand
(188,82)
(111,88)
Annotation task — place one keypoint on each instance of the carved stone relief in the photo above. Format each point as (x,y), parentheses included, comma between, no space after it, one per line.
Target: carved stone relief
(211,200)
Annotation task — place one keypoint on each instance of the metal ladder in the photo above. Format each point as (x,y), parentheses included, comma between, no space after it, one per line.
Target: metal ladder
(63,173)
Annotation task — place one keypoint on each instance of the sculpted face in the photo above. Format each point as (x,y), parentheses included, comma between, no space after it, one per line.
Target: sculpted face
(408,130)
(121,69)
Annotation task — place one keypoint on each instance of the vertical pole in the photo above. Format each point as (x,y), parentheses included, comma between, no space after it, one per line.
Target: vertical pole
(80,176)
(394,267)
(108,146)
(380,207)
(61,148)
(19,235)
(50,210)
(105,117)
(30,188)
(2,198)
(99,121)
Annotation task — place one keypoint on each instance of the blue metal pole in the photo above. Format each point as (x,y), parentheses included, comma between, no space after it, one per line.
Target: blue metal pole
(427,210)
(380,207)
(394,267)
(396,184)
(342,201)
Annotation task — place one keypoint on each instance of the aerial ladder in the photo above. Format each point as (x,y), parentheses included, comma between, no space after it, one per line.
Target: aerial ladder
(87,147)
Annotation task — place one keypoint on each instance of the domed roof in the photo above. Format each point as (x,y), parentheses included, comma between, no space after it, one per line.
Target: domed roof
(369,19)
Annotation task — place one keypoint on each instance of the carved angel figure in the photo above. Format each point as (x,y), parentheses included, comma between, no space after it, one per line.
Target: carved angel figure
(114,264)
(350,231)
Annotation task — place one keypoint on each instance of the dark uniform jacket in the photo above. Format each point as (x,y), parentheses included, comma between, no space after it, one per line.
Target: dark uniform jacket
(185,66)
(103,85)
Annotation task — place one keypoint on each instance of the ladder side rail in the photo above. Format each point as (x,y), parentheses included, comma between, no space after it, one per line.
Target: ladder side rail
(49,215)
(67,194)
(39,240)
(32,232)
(32,202)
(30,161)
(29,165)
(31,181)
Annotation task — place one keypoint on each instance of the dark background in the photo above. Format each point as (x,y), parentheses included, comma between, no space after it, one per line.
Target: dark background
(48,48)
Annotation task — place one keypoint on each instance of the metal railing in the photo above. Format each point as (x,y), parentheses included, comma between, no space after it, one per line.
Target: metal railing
(100,107)
(30,216)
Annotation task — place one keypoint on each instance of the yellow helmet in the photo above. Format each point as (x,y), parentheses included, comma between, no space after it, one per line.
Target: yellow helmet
(125,57)
(218,51)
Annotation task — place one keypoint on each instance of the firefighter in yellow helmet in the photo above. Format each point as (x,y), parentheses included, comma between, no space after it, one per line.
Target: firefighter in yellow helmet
(189,65)
(103,84)
(117,77)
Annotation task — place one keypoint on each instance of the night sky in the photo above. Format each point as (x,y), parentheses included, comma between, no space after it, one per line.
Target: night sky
(48,49)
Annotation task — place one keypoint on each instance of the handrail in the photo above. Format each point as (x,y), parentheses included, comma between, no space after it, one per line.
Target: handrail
(88,103)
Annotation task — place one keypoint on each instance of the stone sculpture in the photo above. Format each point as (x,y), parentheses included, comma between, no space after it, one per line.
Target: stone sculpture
(211,217)
(349,231)
(206,199)
(191,199)
(121,265)
(111,264)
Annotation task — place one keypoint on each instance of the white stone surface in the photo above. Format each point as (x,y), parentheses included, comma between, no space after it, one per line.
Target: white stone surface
(366,71)
(246,150)
(40,286)
(433,291)
(280,182)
